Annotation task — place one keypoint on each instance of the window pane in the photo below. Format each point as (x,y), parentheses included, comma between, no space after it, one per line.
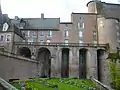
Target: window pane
(2,37)
(80,34)
(33,34)
(94,35)
(28,33)
(66,33)
(80,25)
(8,39)
(41,33)
(95,42)
(66,41)
(80,41)
(50,33)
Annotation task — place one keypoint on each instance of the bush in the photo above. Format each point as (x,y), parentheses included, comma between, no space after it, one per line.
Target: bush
(74,78)
(28,88)
(44,76)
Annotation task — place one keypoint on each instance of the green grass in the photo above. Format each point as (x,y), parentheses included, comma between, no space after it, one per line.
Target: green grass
(62,84)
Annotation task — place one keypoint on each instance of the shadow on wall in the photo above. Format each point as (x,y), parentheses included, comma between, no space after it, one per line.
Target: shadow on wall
(45,61)
(24,51)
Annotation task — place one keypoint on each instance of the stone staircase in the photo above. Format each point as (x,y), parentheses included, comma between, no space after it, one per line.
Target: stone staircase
(4,85)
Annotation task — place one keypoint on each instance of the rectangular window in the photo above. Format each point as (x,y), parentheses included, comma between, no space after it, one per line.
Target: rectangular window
(80,34)
(41,40)
(66,41)
(2,38)
(8,38)
(41,33)
(95,42)
(30,40)
(80,25)
(34,34)
(27,33)
(94,35)
(80,41)
(50,33)
(66,33)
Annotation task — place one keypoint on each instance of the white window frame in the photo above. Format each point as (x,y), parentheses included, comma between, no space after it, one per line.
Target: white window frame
(66,33)
(94,35)
(81,41)
(41,33)
(34,34)
(50,33)
(80,25)
(8,38)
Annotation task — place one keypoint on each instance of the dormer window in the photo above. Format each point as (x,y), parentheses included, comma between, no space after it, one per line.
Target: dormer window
(22,24)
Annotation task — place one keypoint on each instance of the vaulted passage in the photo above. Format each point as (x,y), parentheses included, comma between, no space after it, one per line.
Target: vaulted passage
(45,62)
(100,58)
(65,63)
(25,51)
(82,63)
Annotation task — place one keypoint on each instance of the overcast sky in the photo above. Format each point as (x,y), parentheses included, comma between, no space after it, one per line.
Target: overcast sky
(51,8)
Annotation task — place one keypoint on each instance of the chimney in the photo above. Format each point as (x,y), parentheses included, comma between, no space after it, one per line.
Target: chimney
(42,15)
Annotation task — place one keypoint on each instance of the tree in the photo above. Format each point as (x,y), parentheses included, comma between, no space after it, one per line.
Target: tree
(114,70)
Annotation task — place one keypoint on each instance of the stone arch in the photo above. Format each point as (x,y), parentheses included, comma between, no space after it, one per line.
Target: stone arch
(24,51)
(101,55)
(44,57)
(65,62)
(83,59)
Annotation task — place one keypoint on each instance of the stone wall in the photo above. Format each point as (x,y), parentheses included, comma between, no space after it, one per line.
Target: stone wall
(16,67)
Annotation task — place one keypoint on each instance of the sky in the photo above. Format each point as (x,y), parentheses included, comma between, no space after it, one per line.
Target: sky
(50,8)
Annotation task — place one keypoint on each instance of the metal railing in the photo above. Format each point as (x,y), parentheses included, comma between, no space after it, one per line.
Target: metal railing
(100,85)
(61,44)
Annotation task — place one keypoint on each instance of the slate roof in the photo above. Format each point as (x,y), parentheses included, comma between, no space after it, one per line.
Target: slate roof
(38,23)
(12,28)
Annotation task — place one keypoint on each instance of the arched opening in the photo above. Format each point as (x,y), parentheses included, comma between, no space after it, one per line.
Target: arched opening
(82,63)
(45,62)
(100,57)
(65,63)
(25,51)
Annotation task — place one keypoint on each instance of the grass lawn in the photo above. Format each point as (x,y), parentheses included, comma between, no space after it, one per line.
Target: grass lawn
(53,84)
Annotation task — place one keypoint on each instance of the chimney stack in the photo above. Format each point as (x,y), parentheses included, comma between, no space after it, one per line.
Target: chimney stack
(42,15)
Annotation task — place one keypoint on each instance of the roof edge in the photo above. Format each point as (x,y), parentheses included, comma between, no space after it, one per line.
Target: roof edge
(66,23)
(89,2)
(86,13)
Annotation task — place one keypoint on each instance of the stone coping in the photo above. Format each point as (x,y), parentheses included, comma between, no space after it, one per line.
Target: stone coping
(8,54)
(101,84)
(7,85)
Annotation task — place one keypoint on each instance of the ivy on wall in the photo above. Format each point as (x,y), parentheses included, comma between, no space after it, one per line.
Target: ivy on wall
(99,7)
(114,70)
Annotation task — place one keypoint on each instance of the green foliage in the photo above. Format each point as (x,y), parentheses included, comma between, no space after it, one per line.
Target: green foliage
(113,55)
(59,84)
(115,72)
(99,7)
